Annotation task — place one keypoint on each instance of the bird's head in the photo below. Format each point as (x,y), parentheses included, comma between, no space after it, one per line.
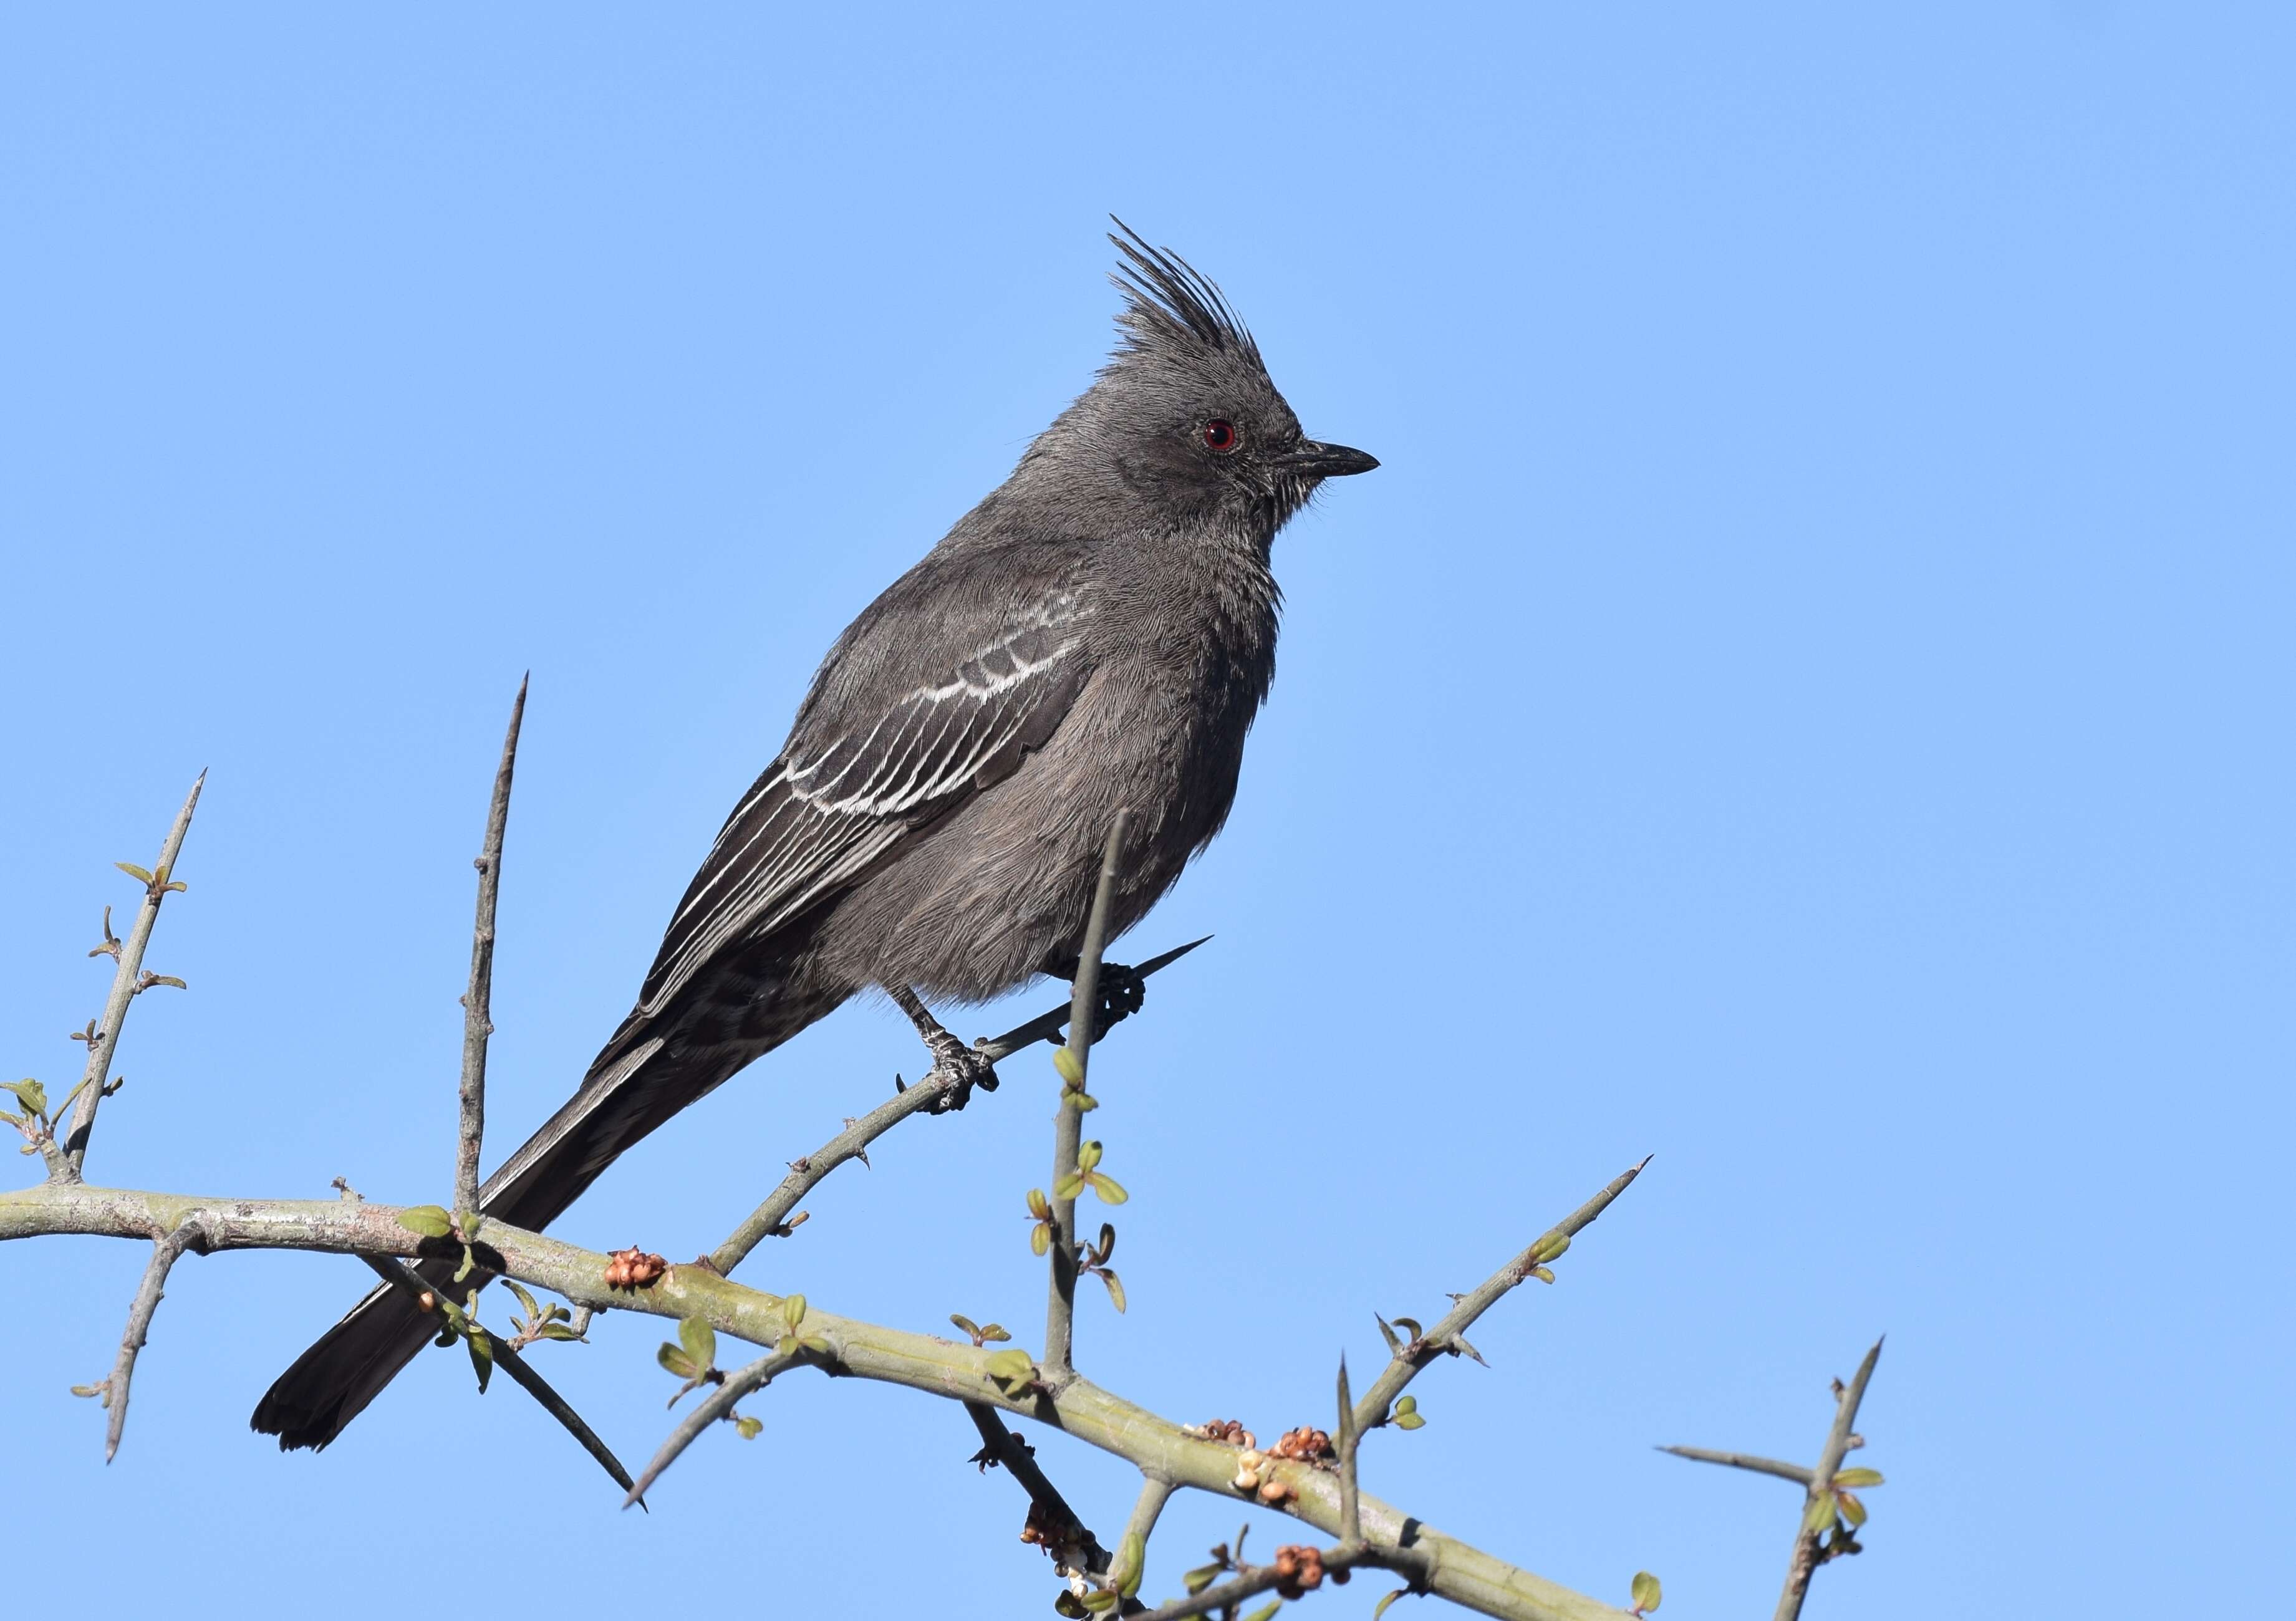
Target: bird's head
(1183,421)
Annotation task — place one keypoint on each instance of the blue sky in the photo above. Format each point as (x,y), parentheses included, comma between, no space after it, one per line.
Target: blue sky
(1805,697)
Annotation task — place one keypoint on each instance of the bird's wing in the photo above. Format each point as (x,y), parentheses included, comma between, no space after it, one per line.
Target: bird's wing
(858,776)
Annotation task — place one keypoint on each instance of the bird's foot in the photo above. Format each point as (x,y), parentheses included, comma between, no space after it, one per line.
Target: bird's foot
(966,1068)
(960,1068)
(1122,989)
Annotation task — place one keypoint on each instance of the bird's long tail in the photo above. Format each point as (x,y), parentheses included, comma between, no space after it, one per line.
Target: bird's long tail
(643,1076)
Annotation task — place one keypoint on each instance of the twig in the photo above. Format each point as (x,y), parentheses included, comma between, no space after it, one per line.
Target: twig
(1068,1120)
(1008,1449)
(165,1253)
(771,1219)
(1147,1509)
(712,1408)
(1372,1411)
(478,1022)
(410,1282)
(1794,1472)
(1263,1578)
(1805,1558)
(1348,1439)
(126,981)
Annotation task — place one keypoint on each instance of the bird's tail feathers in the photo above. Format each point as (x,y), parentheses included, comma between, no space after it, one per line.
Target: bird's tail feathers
(642,1076)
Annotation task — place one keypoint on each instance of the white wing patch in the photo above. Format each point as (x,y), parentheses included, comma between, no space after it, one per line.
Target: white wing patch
(819,820)
(938,739)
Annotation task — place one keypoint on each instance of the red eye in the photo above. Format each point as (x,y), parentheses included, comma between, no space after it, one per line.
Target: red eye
(1220,435)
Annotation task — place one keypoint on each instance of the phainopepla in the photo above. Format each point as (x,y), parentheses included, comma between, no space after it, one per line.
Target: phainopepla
(1098,633)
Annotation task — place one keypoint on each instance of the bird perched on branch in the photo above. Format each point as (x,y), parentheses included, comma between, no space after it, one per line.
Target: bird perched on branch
(1097,634)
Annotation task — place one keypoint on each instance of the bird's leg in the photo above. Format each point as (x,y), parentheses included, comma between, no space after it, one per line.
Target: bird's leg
(1122,989)
(969,1069)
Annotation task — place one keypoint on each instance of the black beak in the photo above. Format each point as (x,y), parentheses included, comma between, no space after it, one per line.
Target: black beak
(1325,461)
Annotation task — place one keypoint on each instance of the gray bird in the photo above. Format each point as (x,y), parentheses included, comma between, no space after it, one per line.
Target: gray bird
(1097,633)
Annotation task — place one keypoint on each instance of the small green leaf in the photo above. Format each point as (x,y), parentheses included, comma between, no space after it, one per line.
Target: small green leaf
(1852,1509)
(1413,1324)
(1099,1598)
(169,980)
(557,1330)
(1014,1365)
(793,1309)
(1070,1067)
(470,1265)
(1068,1186)
(1265,1610)
(1858,1477)
(102,1389)
(1819,1515)
(818,1344)
(1109,1190)
(30,1093)
(1645,1592)
(533,1307)
(1380,1609)
(701,1342)
(747,1427)
(1107,1242)
(1037,1207)
(1115,1289)
(1408,1421)
(1406,1404)
(1407,1415)
(965,1325)
(1040,1238)
(1549,1247)
(1085,1102)
(482,1355)
(1067,1604)
(430,1220)
(1202,1577)
(1088,1154)
(676,1361)
(1544,1274)
(995,1331)
(134,871)
(1131,1560)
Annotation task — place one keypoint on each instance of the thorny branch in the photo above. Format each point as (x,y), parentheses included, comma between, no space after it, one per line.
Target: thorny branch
(506,1356)
(1068,1119)
(717,1405)
(1447,1337)
(1829,1505)
(478,1022)
(127,981)
(165,1253)
(1055,1524)
(1799,1474)
(935,1366)
(1256,1579)
(1823,1505)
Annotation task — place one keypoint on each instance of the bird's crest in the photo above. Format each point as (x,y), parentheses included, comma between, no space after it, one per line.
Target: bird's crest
(1167,302)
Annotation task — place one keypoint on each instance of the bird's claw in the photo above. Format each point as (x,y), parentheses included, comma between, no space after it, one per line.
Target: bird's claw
(1122,989)
(967,1069)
